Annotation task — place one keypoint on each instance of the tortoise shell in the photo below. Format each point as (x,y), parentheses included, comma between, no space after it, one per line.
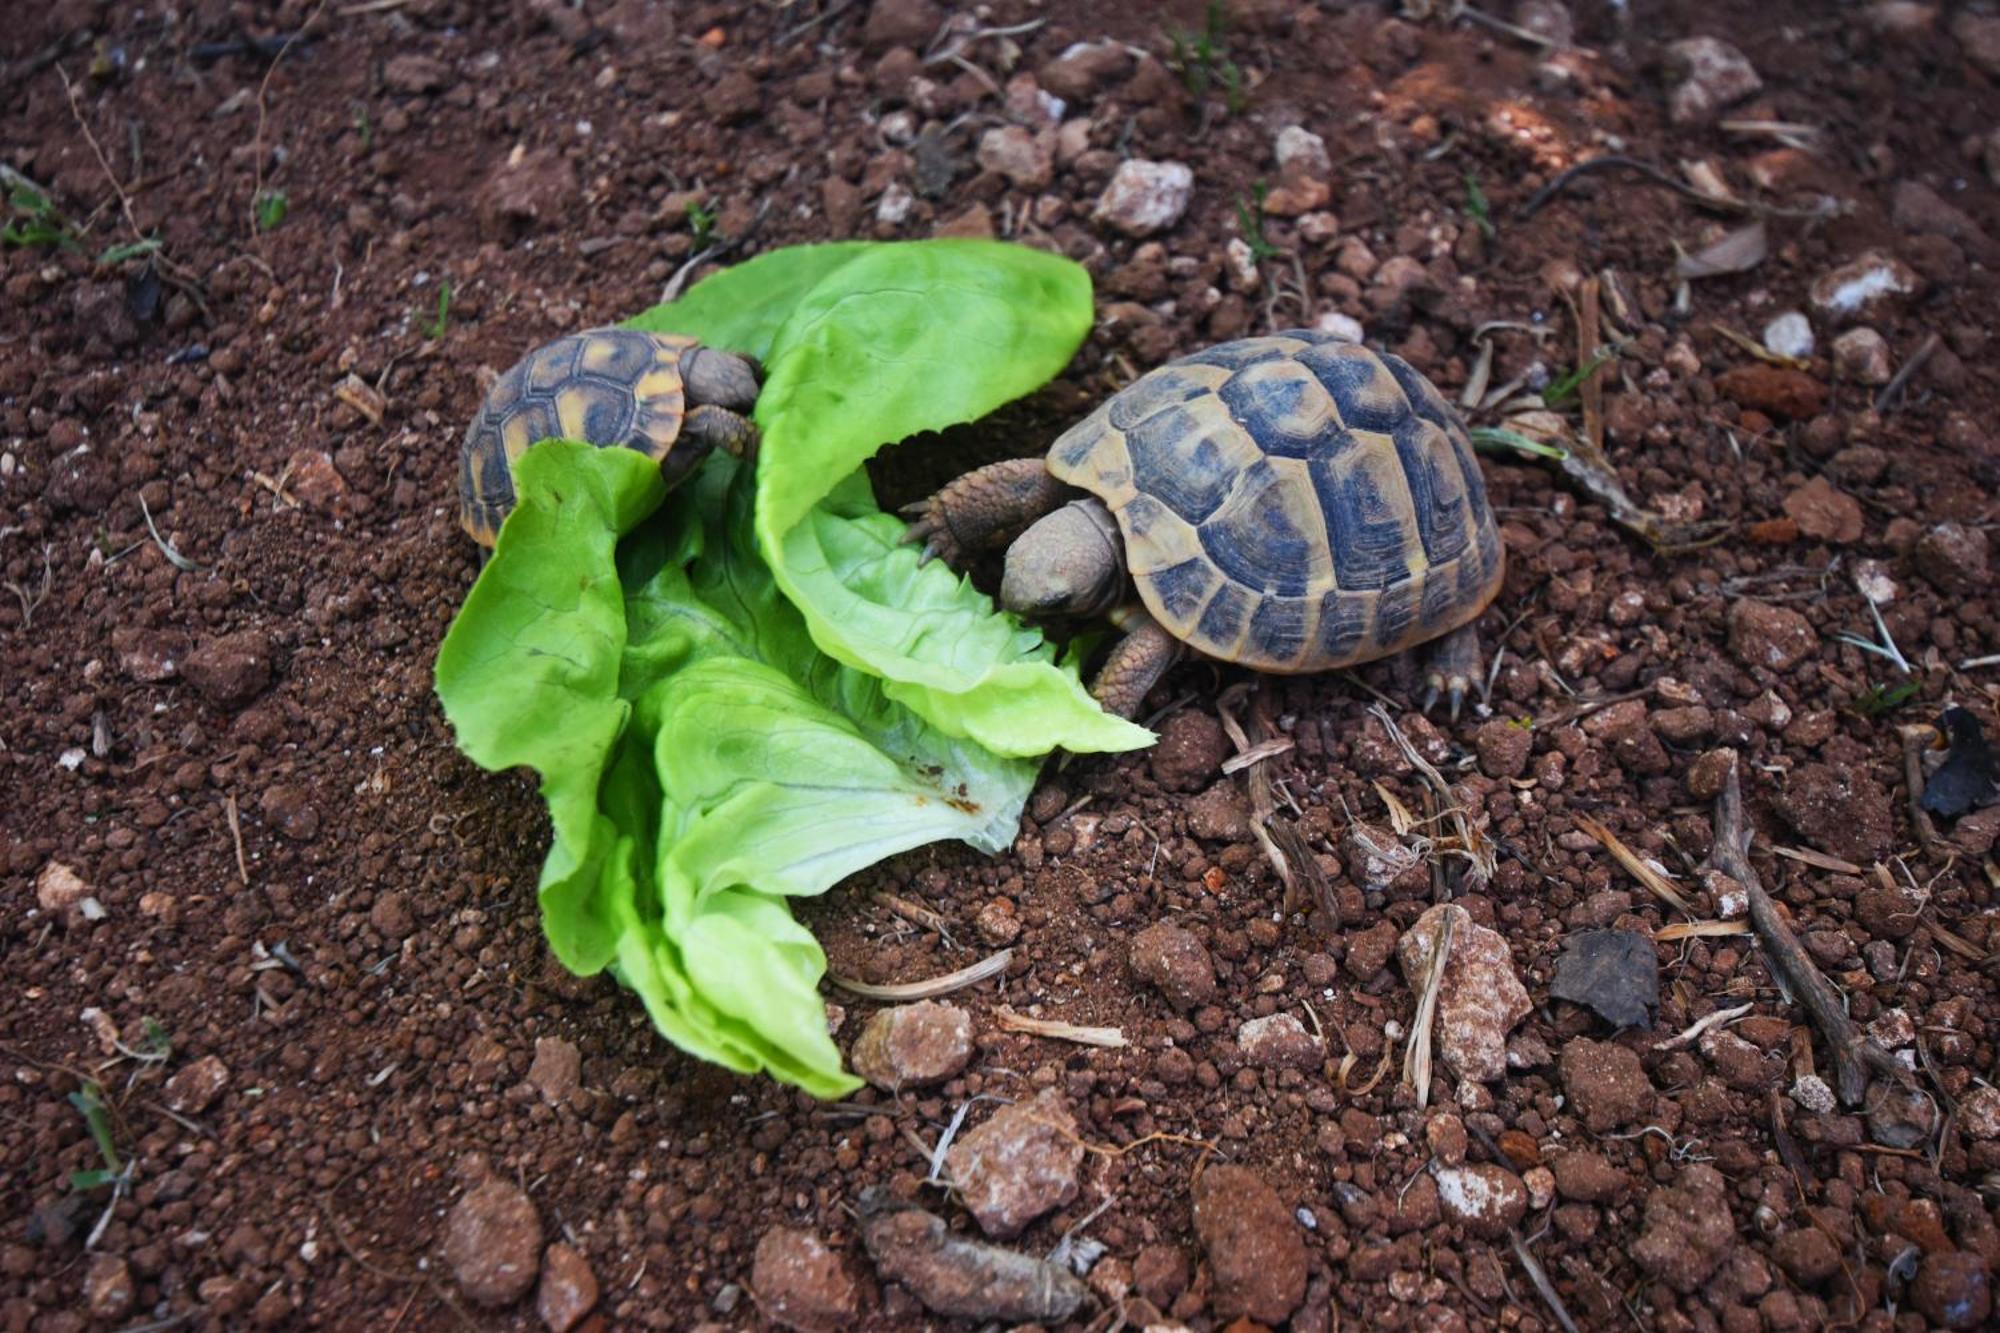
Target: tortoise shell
(603,386)
(1293,502)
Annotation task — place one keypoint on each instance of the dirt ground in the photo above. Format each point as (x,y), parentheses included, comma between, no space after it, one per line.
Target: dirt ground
(264,924)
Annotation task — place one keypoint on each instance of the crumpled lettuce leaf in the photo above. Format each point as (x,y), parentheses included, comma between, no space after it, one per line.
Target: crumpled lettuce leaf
(890,341)
(702,760)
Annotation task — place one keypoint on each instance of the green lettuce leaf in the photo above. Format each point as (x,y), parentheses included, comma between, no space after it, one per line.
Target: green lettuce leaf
(741,309)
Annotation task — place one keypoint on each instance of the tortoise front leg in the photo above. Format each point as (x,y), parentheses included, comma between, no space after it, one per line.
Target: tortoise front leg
(1135,665)
(985,509)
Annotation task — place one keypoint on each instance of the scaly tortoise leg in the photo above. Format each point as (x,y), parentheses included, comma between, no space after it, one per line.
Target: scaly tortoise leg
(1135,665)
(985,509)
(1454,668)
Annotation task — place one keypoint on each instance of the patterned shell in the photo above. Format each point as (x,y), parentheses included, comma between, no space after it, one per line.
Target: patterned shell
(1293,502)
(604,387)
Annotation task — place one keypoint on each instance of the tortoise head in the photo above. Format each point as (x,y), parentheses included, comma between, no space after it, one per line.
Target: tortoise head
(1069,563)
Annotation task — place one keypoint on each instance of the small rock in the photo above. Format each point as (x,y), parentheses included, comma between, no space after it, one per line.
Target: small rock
(1899,1117)
(1808,1255)
(493,1243)
(1023,157)
(1173,959)
(1370,951)
(1503,748)
(1708,773)
(390,914)
(148,656)
(1979,1113)
(1776,638)
(1219,814)
(1019,1164)
(1863,354)
(1344,327)
(1587,1177)
(801,1284)
(1628,731)
(1688,1229)
(557,1070)
(1954,558)
(107,1287)
(1901,18)
(1550,20)
(311,477)
(1279,1041)
(1838,809)
(1303,172)
(530,188)
(58,888)
(413,74)
(195,1088)
(1145,198)
(1872,284)
(1976,834)
(998,923)
(1922,211)
(289,809)
(1713,75)
(1953,1290)
(1790,334)
(911,1045)
(893,208)
(1255,1251)
(1085,67)
(232,670)
(901,23)
(1979,36)
(1774,391)
(1190,751)
(568,1290)
(1481,998)
(1820,510)
(1375,857)
(1605,1084)
(1486,1200)
(964,1278)
(1160,1273)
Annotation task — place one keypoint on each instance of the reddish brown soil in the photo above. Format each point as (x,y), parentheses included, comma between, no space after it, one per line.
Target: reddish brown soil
(375,979)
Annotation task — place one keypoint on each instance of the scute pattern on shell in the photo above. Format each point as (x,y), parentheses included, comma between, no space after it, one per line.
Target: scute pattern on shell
(1293,502)
(603,387)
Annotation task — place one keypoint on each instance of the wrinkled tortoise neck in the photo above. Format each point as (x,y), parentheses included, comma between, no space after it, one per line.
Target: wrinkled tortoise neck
(1068,563)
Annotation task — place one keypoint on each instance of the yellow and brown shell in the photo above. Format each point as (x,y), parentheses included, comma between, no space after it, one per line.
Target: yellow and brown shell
(1293,502)
(604,387)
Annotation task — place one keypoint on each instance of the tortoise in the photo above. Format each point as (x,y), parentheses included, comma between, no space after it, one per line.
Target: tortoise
(1291,503)
(667,396)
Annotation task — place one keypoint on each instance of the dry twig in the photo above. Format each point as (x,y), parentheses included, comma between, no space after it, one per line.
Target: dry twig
(1654,882)
(936,986)
(1284,846)
(1417,1055)
(1044,1027)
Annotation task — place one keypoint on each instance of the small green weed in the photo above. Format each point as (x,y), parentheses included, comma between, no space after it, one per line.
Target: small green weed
(34,220)
(118,254)
(1880,700)
(1512,439)
(89,1102)
(271,208)
(1250,220)
(443,320)
(1202,60)
(701,223)
(364,127)
(1566,388)
(1476,206)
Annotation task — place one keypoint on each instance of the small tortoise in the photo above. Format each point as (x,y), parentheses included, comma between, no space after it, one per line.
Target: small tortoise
(666,396)
(1292,503)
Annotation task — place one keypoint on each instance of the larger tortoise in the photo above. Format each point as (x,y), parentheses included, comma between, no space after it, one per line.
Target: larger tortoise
(1292,503)
(666,396)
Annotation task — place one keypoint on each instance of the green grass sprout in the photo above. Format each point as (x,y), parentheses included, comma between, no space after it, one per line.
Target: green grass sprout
(443,320)
(1880,699)
(1566,388)
(89,1102)
(1512,439)
(701,224)
(1250,220)
(1476,206)
(35,221)
(118,254)
(272,206)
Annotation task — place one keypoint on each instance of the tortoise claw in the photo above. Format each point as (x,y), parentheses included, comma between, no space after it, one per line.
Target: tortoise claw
(1452,688)
(930,529)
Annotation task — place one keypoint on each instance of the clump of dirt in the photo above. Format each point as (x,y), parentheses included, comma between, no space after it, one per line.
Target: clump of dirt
(282,1032)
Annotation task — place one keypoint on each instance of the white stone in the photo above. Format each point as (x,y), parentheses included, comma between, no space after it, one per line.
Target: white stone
(1243,275)
(1481,998)
(1790,334)
(1811,1092)
(1715,75)
(1865,284)
(1145,198)
(895,204)
(1340,326)
(1863,354)
(1301,150)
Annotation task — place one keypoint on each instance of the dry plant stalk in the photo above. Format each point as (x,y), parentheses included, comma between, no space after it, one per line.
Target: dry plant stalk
(1855,1053)
(1687,930)
(1480,855)
(986,967)
(1010,1021)
(1417,1055)
(1818,860)
(1284,846)
(1654,882)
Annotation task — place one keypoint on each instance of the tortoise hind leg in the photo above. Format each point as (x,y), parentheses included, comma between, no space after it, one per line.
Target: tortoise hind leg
(985,509)
(1454,668)
(1135,665)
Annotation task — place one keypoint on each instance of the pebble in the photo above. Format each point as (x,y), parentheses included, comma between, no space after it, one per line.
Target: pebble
(1025,158)
(557,1069)
(1867,286)
(893,208)
(1899,1117)
(1954,558)
(1029,104)
(1175,962)
(1255,1253)
(1774,391)
(390,914)
(968,1279)
(231,670)
(412,73)
(1627,730)
(1918,209)
(1189,752)
(1279,1041)
(1160,1273)
(901,23)
(1375,857)
(1481,998)
(1606,1085)
(801,1284)
(59,888)
(493,1243)
(1863,354)
(1824,512)
(1808,1255)
(1838,809)
(194,1088)
(1303,172)
(1145,198)
(1979,1113)
(1953,1290)
(911,1045)
(311,477)
(1713,75)
(568,1289)
(1484,1199)
(528,189)
(1688,1229)
(1503,748)
(107,1287)
(1022,1162)
(1550,20)
(1790,334)
(1344,327)
(1370,951)
(1085,67)
(1586,1176)
(1220,814)
(1776,638)
(288,808)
